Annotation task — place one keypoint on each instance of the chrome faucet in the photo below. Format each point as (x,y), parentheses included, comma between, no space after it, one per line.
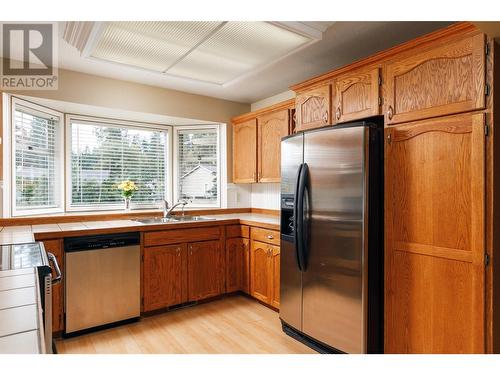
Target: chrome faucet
(167,210)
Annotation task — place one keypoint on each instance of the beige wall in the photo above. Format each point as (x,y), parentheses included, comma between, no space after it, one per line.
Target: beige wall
(93,90)
(281,97)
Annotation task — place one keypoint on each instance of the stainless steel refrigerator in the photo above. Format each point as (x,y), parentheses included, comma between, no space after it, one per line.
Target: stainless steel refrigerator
(331,293)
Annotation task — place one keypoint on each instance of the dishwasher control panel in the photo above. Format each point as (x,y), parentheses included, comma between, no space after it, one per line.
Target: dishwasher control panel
(103,241)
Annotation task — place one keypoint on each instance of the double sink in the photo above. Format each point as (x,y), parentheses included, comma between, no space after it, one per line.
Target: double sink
(171,219)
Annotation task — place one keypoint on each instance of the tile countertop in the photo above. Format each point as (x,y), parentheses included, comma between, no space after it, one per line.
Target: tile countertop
(26,233)
(21,327)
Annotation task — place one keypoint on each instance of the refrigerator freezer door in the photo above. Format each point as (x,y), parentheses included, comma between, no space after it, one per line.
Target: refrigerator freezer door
(333,307)
(290,275)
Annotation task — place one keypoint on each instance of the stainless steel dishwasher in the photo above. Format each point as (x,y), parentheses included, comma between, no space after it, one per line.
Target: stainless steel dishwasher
(102,284)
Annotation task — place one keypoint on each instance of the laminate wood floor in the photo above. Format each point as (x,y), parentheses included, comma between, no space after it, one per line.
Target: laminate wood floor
(233,324)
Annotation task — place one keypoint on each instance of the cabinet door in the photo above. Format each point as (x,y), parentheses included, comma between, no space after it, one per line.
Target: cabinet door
(444,80)
(275,282)
(245,152)
(261,271)
(271,128)
(312,108)
(245,272)
(234,264)
(55,247)
(204,270)
(164,276)
(357,96)
(435,236)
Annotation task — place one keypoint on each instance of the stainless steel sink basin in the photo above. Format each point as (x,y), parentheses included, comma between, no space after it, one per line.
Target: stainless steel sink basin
(171,219)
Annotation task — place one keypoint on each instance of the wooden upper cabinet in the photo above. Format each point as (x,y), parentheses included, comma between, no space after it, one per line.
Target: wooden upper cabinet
(444,80)
(165,276)
(245,151)
(271,128)
(204,270)
(435,236)
(312,108)
(356,95)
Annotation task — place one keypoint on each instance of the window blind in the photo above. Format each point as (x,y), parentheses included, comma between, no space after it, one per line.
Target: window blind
(35,175)
(102,156)
(197,166)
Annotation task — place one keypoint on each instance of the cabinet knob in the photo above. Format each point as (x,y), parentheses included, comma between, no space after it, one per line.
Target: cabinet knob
(325,117)
(390,112)
(270,236)
(338,113)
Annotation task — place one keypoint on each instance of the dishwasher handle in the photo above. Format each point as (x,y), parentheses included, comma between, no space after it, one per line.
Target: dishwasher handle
(53,260)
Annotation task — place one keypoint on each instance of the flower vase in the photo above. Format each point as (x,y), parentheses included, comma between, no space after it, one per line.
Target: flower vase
(127,203)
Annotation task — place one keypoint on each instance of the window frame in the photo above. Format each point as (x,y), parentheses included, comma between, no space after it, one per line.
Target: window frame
(59,189)
(221,178)
(63,160)
(91,120)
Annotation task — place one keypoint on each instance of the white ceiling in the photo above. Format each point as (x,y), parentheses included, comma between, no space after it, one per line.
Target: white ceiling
(234,76)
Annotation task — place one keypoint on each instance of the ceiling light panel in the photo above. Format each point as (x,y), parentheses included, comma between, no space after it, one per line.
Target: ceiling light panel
(236,49)
(150,45)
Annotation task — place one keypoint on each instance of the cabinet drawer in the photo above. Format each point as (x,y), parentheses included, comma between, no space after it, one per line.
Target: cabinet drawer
(233,231)
(166,237)
(266,235)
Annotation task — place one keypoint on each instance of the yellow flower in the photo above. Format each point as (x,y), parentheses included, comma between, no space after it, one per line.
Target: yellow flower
(127,186)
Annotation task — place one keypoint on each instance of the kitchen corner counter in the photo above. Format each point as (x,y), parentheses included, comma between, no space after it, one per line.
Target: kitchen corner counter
(28,233)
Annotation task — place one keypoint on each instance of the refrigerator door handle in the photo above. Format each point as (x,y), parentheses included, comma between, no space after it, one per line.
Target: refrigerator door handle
(296,216)
(302,210)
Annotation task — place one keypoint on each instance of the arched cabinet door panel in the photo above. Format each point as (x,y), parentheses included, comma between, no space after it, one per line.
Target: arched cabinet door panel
(356,95)
(435,236)
(444,80)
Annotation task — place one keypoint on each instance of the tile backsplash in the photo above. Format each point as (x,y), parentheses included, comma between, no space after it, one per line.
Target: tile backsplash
(254,195)
(266,196)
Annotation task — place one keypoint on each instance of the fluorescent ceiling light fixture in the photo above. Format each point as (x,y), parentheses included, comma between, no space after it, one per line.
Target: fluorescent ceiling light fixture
(213,52)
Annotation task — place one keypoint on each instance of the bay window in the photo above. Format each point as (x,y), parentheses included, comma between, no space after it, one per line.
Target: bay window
(73,163)
(103,155)
(36,160)
(198,166)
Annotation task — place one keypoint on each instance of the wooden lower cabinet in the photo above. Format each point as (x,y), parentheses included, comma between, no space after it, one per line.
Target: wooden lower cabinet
(245,271)
(55,247)
(165,276)
(264,272)
(205,270)
(235,257)
(435,236)
(275,300)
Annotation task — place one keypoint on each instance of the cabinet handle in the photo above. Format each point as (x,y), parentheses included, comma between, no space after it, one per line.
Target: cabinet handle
(390,112)
(254,176)
(338,113)
(325,117)
(270,236)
